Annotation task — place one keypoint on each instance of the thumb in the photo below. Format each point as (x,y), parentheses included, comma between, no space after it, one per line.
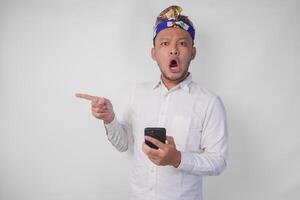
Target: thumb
(170,140)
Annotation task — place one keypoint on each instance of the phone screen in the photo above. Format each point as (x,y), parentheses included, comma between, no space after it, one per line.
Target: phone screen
(158,133)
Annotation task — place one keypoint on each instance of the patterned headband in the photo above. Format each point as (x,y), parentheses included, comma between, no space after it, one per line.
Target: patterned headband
(173,23)
(170,20)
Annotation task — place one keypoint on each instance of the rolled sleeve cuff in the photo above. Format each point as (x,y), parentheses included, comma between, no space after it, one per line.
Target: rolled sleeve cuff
(112,126)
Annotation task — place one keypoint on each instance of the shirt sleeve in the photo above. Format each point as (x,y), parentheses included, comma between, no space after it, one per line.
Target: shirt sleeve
(214,144)
(119,132)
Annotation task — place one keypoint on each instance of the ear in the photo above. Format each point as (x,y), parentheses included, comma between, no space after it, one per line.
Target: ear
(153,54)
(193,52)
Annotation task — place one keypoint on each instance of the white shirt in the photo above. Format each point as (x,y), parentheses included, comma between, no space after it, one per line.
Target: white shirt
(194,117)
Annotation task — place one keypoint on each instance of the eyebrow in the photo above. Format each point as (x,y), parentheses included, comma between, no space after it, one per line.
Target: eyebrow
(164,38)
(181,38)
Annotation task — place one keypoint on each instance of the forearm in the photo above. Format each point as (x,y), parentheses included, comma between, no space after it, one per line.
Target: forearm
(118,134)
(203,164)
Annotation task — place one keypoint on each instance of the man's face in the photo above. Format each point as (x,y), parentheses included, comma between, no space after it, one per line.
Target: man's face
(173,53)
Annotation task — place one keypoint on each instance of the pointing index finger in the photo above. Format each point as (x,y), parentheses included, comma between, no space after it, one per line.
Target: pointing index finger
(85,96)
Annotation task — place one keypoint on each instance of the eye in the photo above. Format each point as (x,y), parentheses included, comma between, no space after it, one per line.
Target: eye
(182,43)
(164,43)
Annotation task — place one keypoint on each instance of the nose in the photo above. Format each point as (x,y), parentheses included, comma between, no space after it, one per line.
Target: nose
(174,51)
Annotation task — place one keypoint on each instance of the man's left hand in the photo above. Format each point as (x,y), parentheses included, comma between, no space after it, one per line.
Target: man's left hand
(166,154)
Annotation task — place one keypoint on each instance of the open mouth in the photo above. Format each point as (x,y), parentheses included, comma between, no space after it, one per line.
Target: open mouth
(174,68)
(173,64)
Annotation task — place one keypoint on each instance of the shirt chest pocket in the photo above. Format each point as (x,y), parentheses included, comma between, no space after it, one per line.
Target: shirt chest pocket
(187,133)
(194,135)
(194,140)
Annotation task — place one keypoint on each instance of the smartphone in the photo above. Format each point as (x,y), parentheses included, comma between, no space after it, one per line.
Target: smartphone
(158,133)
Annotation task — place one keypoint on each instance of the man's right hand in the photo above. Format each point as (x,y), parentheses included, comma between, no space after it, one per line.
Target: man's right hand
(101,107)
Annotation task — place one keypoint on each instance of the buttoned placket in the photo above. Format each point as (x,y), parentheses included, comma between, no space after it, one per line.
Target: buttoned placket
(152,181)
(161,123)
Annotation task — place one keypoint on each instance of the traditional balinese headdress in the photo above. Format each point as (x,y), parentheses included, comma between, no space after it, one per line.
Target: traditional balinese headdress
(170,18)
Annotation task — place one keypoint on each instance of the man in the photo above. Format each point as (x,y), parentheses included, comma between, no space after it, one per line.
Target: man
(194,118)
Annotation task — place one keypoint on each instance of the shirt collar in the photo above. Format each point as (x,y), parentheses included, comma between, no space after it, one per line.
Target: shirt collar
(185,84)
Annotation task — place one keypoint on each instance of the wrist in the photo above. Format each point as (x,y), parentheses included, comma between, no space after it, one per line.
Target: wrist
(109,120)
(177,159)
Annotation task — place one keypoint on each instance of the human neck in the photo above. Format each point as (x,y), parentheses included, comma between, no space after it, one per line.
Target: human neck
(171,84)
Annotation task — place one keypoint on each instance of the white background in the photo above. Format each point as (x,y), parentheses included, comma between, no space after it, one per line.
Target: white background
(52,148)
